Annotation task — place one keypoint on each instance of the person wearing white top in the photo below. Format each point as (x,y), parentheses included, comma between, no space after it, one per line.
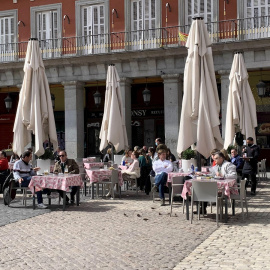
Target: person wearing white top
(161,167)
(223,168)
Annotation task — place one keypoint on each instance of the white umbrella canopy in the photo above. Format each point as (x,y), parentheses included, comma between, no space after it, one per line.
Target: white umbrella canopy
(241,106)
(199,121)
(34,112)
(113,128)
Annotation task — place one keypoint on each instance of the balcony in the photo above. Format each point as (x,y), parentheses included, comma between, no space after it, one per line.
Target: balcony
(222,31)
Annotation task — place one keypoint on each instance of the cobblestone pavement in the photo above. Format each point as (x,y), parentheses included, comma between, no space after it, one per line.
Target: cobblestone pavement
(131,233)
(239,244)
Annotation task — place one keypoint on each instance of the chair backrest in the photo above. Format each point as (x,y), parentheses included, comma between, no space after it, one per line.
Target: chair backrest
(115,166)
(114,178)
(152,179)
(243,188)
(204,191)
(259,165)
(176,180)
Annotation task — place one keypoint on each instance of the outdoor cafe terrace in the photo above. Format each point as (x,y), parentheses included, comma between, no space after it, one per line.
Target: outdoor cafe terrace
(174,36)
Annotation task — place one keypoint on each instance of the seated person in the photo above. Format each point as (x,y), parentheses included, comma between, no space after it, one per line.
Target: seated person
(4,170)
(237,161)
(23,173)
(127,157)
(223,168)
(170,156)
(133,171)
(72,168)
(107,157)
(14,157)
(161,167)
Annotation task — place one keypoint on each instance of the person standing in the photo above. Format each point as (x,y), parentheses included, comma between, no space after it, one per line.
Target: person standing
(161,167)
(250,165)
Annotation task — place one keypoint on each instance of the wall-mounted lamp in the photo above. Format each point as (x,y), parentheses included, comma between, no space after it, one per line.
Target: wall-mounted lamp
(66,17)
(146,94)
(97,97)
(261,87)
(8,102)
(168,6)
(21,22)
(114,11)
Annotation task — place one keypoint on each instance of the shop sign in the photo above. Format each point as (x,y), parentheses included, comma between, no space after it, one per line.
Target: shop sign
(151,112)
(97,124)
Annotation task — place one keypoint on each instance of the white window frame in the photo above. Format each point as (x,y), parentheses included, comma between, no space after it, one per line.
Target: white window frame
(48,49)
(158,13)
(91,48)
(37,9)
(146,40)
(256,25)
(199,14)
(9,54)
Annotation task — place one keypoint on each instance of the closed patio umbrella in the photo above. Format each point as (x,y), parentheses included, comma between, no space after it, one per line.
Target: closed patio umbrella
(199,121)
(241,106)
(113,128)
(34,112)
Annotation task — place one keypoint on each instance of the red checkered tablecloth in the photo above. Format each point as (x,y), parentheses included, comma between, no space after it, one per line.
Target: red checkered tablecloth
(51,181)
(96,176)
(221,184)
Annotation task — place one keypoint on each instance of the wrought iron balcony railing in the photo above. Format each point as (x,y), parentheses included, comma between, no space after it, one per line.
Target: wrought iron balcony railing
(174,36)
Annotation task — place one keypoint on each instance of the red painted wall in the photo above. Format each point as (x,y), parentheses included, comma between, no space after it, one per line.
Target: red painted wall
(172,17)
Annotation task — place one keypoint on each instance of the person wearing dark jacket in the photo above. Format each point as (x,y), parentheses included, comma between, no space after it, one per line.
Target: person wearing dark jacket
(250,165)
(67,165)
(237,161)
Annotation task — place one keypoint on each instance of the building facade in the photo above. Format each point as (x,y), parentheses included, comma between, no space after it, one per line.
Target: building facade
(145,40)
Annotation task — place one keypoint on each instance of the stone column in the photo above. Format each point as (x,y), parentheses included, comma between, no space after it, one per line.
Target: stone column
(225,83)
(74,118)
(125,86)
(173,92)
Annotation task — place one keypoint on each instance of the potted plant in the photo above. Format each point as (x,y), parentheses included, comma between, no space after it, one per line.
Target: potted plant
(44,161)
(187,157)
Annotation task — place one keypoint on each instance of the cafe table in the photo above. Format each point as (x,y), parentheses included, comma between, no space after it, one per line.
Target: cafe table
(223,185)
(97,175)
(89,165)
(56,182)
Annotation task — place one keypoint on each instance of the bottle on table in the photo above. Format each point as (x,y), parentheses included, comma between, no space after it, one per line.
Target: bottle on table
(192,168)
(124,162)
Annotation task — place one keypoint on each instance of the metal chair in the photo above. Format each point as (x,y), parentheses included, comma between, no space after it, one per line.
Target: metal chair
(204,192)
(111,181)
(177,187)
(241,196)
(260,170)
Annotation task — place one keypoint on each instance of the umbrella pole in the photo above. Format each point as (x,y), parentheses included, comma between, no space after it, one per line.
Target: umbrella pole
(112,154)
(33,148)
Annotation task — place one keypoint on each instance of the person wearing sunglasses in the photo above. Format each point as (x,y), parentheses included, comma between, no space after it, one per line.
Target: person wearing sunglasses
(66,165)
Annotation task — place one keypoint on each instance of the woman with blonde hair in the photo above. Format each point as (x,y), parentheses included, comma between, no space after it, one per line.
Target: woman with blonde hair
(225,153)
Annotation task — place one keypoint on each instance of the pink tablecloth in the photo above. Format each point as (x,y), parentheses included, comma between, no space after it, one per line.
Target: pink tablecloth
(89,159)
(93,164)
(172,174)
(221,184)
(96,176)
(52,167)
(61,182)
